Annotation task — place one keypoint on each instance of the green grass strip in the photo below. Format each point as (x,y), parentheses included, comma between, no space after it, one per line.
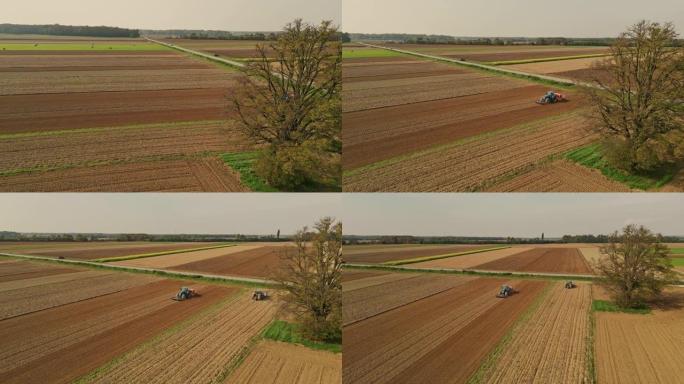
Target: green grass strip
(144,255)
(545,59)
(142,46)
(678,262)
(591,346)
(362,53)
(591,156)
(243,163)
(677,251)
(436,257)
(280,330)
(489,363)
(609,306)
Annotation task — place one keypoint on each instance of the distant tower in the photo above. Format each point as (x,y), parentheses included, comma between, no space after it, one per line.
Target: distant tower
(278,235)
(542,236)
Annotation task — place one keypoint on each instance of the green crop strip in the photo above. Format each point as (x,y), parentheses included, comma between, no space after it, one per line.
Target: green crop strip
(436,257)
(545,59)
(243,163)
(81,47)
(608,306)
(591,156)
(280,330)
(144,255)
(362,53)
(677,251)
(591,344)
(678,262)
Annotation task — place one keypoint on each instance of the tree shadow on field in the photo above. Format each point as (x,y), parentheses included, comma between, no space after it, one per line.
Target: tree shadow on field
(671,299)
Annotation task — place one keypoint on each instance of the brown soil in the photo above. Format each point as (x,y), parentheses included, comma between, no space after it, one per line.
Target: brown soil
(19,270)
(66,363)
(372,257)
(469,261)
(94,252)
(203,175)
(51,112)
(371,136)
(510,56)
(560,176)
(548,67)
(81,53)
(167,261)
(442,338)
(383,72)
(474,164)
(260,262)
(348,275)
(552,260)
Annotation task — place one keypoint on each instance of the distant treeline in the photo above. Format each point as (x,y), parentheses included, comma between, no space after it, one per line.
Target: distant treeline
(68,30)
(68,237)
(402,239)
(211,35)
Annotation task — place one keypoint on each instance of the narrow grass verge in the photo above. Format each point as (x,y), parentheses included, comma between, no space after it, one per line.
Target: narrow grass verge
(677,251)
(284,331)
(591,343)
(480,376)
(591,156)
(362,53)
(437,257)
(545,59)
(608,306)
(144,255)
(243,163)
(678,262)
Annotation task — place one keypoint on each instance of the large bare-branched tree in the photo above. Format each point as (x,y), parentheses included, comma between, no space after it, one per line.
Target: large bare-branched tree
(638,104)
(635,266)
(289,103)
(311,278)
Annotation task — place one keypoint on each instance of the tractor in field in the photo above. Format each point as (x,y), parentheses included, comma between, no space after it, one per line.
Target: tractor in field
(570,285)
(505,291)
(552,97)
(185,293)
(259,296)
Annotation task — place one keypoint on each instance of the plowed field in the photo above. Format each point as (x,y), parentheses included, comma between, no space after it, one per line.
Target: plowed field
(381,256)
(281,363)
(552,67)
(260,262)
(472,164)
(89,251)
(167,261)
(11,270)
(553,260)
(348,275)
(469,261)
(550,346)
(442,338)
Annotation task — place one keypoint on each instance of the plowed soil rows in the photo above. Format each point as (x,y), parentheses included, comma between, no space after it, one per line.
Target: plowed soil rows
(202,175)
(366,95)
(548,67)
(260,262)
(39,62)
(211,341)
(167,261)
(363,303)
(550,346)
(82,53)
(348,275)
(511,56)
(469,261)
(119,144)
(89,251)
(554,260)
(560,176)
(591,254)
(27,300)
(29,281)
(113,81)
(588,75)
(274,362)
(634,348)
(11,270)
(51,112)
(442,338)
(373,257)
(377,280)
(351,73)
(371,136)
(61,344)
(519,52)
(472,164)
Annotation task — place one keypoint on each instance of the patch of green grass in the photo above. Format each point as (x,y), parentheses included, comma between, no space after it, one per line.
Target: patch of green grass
(99,46)
(361,53)
(144,255)
(678,262)
(608,306)
(677,251)
(280,330)
(436,257)
(545,59)
(591,156)
(243,163)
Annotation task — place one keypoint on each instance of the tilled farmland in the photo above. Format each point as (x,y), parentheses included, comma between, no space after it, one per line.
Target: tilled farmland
(551,260)
(375,256)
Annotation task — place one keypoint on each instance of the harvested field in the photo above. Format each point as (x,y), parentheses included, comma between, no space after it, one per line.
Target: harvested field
(89,251)
(552,67)
(260,262)
(592,255)
(560,176)
(201,175)
(214,339)
(365,302)
(442,338)
(470,261)
(76,338)
(635,348)
(549,260)
(376,257)
(551,345)
(275,362)
(168,261)
(472,164)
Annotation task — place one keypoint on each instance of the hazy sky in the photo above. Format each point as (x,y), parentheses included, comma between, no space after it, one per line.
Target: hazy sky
(233,15)
(521,215)
(165,213)
(532,18)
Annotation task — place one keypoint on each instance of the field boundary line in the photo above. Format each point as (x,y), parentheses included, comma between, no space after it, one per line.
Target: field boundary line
(200,54)
(547,59)
(444,256)
(197,276)
(171,252)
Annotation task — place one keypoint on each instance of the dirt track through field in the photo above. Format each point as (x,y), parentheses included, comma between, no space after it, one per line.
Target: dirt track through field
(442,337)
(210,342)
(282,363)
(554,260)
(260,262)
(469,261)
(373,257)
(550,346)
